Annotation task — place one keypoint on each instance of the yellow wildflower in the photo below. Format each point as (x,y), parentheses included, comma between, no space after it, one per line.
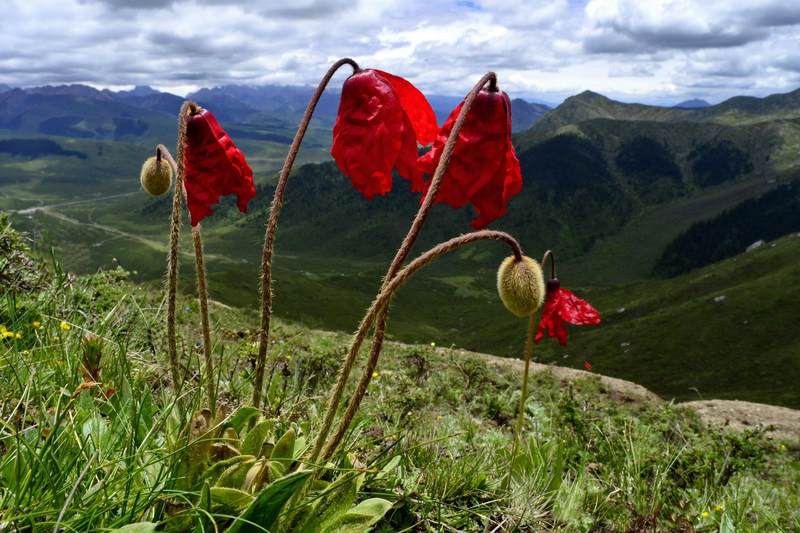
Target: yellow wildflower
(2,328)
(704,514)
(719,508)
(8,334)
(18,335)
(65,326)
(36,324)
(375,374)
(433,345)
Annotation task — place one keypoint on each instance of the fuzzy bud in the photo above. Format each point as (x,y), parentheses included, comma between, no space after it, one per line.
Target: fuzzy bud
(92,353)
(156,176)
(520,284)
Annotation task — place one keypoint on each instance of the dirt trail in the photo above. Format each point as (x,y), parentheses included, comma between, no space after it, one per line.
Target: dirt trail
(780,422)
(157,245)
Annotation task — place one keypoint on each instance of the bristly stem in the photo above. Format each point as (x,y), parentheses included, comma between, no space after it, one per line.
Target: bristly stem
(523,397)
(202,288)
(272,226)
(528,357)
(382,301)
(174,241)
(400,256)
(202,296)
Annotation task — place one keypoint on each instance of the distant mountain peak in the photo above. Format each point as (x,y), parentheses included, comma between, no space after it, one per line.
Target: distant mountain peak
(590,95)
(694,103)
(140,90)
(73,89)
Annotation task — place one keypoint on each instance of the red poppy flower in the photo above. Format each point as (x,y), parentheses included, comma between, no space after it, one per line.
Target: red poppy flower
(381,120)
(561,306)
(484,170)
(587,365)
(213,166)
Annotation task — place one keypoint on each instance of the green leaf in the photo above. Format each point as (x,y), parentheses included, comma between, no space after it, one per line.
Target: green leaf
(217,469)
(230,498)
(241,417)
(282,455)
(138,527)
(362,517)
(255,438)
(204,509)
(284,448)
(332,504)
(234,475)
(265,509)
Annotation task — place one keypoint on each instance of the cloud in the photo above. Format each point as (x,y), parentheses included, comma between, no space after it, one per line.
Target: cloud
(670,24)
(654,50)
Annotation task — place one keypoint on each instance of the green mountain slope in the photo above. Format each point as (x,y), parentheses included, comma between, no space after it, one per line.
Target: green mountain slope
(589,105)
(608,194)
(765,218)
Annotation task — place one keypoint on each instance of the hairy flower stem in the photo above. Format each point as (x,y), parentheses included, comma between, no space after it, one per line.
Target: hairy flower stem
(523,397)
(272,226)
(174,238)
(202,288)
(400,256)
(382,301)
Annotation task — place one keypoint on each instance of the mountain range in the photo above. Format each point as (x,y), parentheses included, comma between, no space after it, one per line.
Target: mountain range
(143,112)
(633,198)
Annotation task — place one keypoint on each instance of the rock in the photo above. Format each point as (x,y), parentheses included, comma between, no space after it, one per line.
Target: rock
(755,246)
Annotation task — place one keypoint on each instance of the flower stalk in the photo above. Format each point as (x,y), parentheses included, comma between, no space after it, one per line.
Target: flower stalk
(526,373)
(394,267)
(381,303)
(174,245)
(272,226)
(202,290)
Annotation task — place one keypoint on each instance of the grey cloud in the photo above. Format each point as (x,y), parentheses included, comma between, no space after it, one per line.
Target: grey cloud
(608,42)
(619,39)
(680,39)
(293,9)
(786,13)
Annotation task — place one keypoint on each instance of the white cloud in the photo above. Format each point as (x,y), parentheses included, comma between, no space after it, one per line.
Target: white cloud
(654,50)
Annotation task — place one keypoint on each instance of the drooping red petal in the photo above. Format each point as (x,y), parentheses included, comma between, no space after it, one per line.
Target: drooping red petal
(483,169)
(214,167)
(373,135)
(416,106)
(576,310)
(562,307)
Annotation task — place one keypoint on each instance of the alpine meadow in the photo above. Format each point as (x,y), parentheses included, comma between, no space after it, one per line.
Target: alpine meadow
(399,267)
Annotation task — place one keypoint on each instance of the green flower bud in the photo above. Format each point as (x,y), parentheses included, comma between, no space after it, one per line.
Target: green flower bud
(520,284)
(156,177)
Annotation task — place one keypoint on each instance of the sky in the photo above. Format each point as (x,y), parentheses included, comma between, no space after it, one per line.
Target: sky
(651,51)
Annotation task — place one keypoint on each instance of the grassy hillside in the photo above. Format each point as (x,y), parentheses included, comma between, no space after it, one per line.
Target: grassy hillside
(609,195)
(453,301)
(739,110)
(432,439)
(765,218)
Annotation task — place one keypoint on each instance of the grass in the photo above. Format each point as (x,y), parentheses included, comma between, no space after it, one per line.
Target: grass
(453,303)
(432,439)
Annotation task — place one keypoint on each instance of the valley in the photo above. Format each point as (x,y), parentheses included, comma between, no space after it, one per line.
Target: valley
(608,186)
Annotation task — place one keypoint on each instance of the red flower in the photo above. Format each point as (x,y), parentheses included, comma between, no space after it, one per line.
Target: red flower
(484,170)
(214,167)
(381,120)
(587,365)
(562,306)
